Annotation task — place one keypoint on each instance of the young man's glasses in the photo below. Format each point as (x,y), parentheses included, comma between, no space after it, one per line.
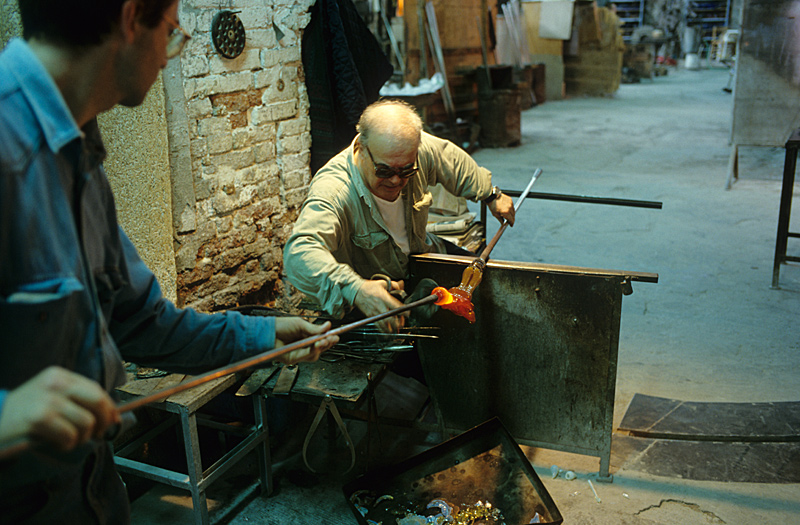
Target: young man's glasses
(177,38)
(382,171)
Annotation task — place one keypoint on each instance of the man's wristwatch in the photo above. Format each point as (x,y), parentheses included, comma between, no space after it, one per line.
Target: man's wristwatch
(492,196)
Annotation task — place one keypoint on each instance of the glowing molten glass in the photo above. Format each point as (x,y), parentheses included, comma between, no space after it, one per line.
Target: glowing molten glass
(459,300)
(456,301)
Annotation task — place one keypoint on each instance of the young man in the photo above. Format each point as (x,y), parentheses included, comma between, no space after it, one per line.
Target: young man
(367,210)
(75,298)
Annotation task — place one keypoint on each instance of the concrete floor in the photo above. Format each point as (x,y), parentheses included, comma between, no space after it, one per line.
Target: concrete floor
(711,330)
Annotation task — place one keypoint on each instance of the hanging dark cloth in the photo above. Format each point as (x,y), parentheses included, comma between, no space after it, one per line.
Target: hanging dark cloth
(344,68)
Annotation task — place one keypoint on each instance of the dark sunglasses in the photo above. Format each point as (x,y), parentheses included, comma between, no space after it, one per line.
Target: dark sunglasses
(382,171)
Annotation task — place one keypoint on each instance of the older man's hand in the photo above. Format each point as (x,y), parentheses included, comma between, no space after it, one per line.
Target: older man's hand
(503,209)
(291,329)
(374,299)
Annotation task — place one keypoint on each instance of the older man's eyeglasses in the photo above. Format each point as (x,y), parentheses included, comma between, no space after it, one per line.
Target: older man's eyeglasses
(177,38)
(382,171)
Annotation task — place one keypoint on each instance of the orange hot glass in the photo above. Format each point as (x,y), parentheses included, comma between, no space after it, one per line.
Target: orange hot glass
(456,301)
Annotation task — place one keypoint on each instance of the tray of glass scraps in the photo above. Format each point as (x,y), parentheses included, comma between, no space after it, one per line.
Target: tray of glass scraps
(480,477)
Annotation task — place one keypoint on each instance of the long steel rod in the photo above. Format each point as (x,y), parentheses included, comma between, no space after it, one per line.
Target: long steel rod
(265,357)
(22,444)
(586,199)
(489,247)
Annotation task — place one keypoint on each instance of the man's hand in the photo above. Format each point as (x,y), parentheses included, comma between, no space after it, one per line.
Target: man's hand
(59,407)
(503,208)
(374,299)
(291,329)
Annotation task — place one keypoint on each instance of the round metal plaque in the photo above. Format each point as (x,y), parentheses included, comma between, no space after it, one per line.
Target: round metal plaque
(227,33)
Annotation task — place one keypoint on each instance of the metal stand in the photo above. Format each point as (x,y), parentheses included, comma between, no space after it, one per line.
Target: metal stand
(186,405)
(785,210)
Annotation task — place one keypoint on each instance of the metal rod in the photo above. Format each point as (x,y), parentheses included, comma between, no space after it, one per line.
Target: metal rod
(20,445)
(266,356)
(583,198)
(489,247)
(484,54)
(395,47)
(438,56)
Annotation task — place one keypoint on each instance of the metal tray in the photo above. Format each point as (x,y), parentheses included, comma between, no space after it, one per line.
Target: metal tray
(483,465)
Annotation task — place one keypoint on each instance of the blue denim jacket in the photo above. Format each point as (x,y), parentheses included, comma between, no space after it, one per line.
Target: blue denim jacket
(73,291)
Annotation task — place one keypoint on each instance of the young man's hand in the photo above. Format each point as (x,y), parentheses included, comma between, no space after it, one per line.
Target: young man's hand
(57,407)
(291,329)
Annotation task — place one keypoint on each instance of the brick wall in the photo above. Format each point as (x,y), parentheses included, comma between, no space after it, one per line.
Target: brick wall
(245,150)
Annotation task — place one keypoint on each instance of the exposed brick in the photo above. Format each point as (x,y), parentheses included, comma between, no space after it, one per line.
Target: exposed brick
(220,143)
(261,115)
(246,176)
(295,197)
(249,150)
(273,57)
(289,145)
(256,17)
(231,102)
(254,97)
(294,126)
(265,78)
(262,38)
(236,159)
(195,65)
(264,151)
(295,162)
(284,110)
(293,179)
(242,137)
(256,248)
(281,90)
(229,259)
(224,224)
(265,133)
(213,126)
(198,147)
(270,187)
(198,109)
(211,85)
(238,120)
(271,258)
(186,255)
(248,60)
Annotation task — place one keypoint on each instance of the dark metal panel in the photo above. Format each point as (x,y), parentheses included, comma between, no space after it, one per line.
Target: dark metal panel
(541,356)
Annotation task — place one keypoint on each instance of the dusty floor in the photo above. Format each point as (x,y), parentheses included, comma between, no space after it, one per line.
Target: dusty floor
(711,330)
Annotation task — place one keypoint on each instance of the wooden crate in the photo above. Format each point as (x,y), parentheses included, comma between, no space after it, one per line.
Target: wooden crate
(461,49)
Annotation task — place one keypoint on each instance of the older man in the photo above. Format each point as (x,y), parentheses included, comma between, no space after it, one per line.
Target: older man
(367,211)
(74,296)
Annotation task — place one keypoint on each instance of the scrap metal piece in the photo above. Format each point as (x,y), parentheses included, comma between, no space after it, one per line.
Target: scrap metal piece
(285,380)
(256,381)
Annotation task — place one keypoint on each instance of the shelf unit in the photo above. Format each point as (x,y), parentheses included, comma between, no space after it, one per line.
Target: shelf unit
(707,15)
(631,14)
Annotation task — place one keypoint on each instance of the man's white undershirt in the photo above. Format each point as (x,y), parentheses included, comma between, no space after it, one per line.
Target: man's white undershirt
(393,215)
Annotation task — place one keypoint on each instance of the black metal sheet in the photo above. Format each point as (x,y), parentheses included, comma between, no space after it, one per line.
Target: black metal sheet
(542,354)
(658,417)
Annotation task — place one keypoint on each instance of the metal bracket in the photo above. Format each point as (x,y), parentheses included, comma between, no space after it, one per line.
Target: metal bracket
(328,404)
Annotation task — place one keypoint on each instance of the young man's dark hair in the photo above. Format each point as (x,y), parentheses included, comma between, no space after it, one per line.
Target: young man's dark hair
(79,23)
